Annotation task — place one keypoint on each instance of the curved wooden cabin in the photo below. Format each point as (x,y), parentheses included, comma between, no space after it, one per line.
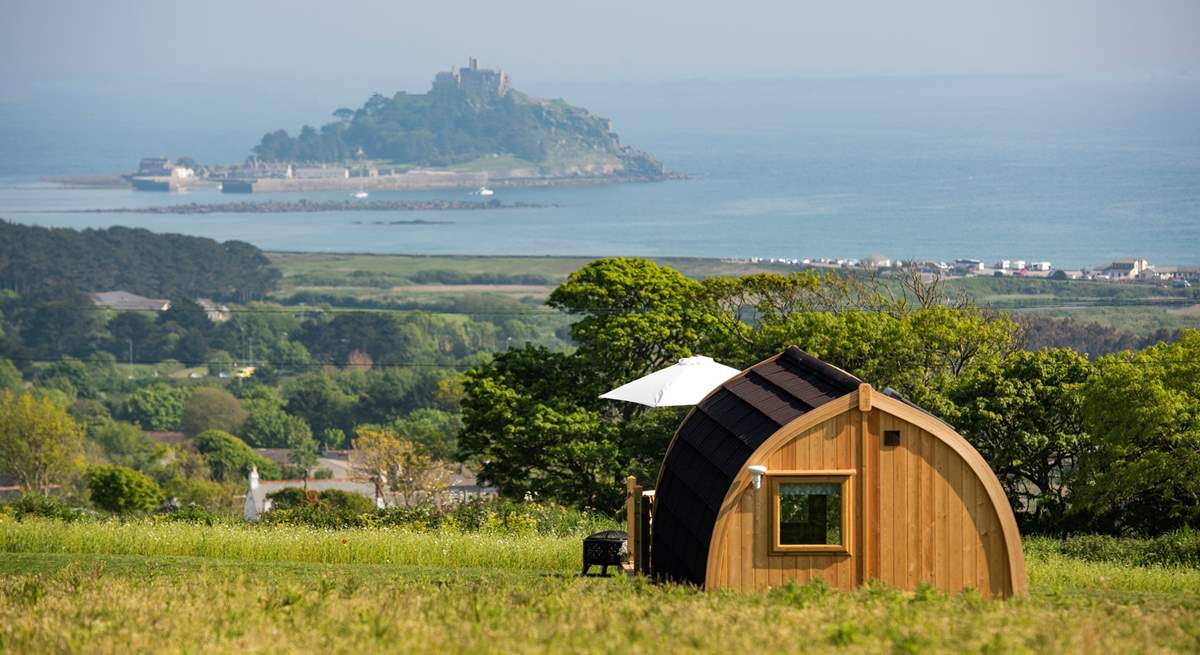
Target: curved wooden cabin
(858,485)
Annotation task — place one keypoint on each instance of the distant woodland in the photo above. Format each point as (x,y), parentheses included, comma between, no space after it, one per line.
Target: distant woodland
(39,260)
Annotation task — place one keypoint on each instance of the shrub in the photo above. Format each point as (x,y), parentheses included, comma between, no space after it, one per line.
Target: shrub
(192,514)
(291,497)
(322,474)
(1178,548)
(206,494)
(318,517)
(230,458)
(347,501)
(50,507)
(122,490)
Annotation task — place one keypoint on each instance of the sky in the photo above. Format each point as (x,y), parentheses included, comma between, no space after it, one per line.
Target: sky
(399,44)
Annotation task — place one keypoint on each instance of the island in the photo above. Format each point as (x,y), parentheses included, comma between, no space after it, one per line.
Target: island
(471,130)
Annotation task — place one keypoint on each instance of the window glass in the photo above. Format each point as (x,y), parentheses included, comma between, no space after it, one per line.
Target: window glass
(810,513)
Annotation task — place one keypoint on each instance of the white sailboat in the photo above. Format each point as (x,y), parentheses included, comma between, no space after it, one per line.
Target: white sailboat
(484,191)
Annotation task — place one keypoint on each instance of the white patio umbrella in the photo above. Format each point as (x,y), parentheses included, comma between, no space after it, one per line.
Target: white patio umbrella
(685,383)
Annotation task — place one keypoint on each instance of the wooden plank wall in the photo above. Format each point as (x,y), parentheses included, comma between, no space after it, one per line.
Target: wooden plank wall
(936,523)
(742,538)
(921,515)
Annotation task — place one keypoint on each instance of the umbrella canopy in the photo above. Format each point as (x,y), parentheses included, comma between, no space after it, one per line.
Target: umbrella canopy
(685,383)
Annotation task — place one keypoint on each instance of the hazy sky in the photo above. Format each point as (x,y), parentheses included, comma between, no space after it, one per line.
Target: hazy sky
(403,42)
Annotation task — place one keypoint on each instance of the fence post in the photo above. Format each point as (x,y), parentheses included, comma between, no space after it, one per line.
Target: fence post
(633,522)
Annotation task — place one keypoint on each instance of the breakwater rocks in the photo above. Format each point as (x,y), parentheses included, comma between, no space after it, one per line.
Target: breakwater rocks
(312,206)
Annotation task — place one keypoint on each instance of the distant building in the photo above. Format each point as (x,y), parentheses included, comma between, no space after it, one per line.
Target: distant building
(154,167)
(876,261)
(216,313)
(1003,265)
(1126,268)
(125,301)
(1190,274)
(1040,266)
(971,266)
(474,80)
(320,172)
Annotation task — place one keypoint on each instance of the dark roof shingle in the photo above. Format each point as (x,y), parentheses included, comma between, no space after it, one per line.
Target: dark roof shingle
(714,443)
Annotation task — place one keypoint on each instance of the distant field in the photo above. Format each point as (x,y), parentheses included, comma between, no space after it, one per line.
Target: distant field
(430,280)
(269,592)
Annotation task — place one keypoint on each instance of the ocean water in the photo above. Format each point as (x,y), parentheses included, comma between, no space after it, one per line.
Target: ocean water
(926,169)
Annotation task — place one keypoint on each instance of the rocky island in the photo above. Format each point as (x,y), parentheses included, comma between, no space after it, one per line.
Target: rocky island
(472,129)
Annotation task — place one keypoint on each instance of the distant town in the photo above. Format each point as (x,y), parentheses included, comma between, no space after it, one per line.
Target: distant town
(1125,269)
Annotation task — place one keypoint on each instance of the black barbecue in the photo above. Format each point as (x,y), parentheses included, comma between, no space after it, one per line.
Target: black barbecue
(604,549)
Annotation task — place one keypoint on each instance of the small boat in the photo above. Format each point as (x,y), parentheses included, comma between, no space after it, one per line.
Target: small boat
(361,194)
(484,191)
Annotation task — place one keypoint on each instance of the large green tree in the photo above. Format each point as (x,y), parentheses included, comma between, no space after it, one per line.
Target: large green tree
(1023,414)
(40,444)
(636,316)
(1143,412)
(209,408)
(529,430)
(157,407)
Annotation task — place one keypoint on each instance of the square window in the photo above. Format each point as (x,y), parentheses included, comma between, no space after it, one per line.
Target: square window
(811,512)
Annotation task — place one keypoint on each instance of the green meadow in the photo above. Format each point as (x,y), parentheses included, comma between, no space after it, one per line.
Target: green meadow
(102,587)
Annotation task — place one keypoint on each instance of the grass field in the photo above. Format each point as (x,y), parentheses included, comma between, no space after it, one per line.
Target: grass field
(430,280)
(171,588)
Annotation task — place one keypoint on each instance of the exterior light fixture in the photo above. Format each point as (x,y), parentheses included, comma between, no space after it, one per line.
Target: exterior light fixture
(756,473)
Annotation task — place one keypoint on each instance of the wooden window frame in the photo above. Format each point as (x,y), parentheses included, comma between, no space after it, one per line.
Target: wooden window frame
(840,477)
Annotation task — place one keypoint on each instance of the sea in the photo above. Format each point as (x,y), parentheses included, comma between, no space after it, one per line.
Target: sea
(1068,170)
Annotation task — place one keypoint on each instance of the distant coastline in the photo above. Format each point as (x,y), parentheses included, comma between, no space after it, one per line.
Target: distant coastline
(312,206)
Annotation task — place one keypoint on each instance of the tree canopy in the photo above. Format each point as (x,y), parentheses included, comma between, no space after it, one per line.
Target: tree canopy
(39,259)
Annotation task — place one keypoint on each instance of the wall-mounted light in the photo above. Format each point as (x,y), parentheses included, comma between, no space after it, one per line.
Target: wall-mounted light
(756,473)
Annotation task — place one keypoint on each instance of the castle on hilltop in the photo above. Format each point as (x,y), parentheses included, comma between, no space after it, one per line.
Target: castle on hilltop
(473,80)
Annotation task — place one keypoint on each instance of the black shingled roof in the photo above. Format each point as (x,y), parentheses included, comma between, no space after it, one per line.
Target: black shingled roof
(714,443)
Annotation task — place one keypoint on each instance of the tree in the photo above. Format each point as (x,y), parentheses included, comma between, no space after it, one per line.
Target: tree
(375,454)
(158,407)
(434,430)
(126,445)
(393,463)
(1023,414)
(40,444)
(268,426)
(230,458)
(1143,412)
(317,398)
(10,377)
(529,432)
(122,490)
(637,316)
(212,409)
(303,455)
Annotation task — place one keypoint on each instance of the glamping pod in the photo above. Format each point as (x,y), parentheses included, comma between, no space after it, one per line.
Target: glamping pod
(794,469)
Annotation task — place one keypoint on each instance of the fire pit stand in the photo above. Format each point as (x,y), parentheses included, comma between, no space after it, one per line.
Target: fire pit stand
(604,549)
